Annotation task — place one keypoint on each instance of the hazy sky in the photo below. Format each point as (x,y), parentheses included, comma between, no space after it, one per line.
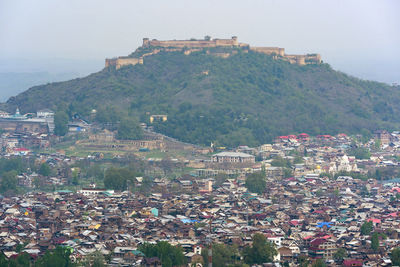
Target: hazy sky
(360,37)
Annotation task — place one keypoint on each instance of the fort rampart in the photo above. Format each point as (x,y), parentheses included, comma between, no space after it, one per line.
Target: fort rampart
(191,43)
(269,50)
(189,46)
(123,61)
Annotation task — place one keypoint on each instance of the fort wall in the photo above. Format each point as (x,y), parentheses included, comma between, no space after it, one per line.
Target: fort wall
(189,46)
(191,43)
(269,50)
(295,59)
(123,61)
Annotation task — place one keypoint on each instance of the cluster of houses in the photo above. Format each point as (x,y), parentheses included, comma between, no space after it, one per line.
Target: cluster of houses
(29,130)
(304,212)
(312,217)
(318,155)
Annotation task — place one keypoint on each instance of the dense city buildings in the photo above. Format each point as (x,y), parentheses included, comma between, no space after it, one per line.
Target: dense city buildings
(318,195)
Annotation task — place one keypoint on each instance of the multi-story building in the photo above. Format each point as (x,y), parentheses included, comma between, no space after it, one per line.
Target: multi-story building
(233,157)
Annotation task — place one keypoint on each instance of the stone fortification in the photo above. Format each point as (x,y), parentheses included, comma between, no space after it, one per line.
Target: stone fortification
(123,61)
(269,50)
(189,46)
(192,43)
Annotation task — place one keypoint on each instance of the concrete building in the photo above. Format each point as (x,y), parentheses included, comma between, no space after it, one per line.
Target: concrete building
(233,157)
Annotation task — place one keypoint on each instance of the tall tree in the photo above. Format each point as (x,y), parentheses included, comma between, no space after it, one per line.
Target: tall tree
(261,251)
(375,241)
(395,256)
(319,263)
(95,259)
(116,178)
(340,254)
(8,182)
(60,123)
(44,169)
(366,228)
(129,129)
(223,255)
(57,257)
(255,182)
(168,254)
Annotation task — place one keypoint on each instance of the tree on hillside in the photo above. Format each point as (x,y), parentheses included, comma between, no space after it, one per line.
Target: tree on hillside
(255,182)
(14,164)
(319,263)
(340,254)
(129,129)
(57,257)
(281,162)
(8,182)
(223,255)
(303,261)
(108,115)
(168,254)
(220,179)
(146,185)
(395,256)
(375,241)
(60,123)
(94,259)
(360,153)
(23,259)
(116,178)
(44,169)
(261,251)
(366,228)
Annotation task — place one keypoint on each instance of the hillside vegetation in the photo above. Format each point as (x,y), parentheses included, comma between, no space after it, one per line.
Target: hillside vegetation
(248,98)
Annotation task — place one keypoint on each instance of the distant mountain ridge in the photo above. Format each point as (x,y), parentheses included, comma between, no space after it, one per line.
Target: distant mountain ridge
(246,98)
(13,83)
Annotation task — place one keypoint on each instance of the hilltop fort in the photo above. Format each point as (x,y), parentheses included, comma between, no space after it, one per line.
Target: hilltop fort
(188,46)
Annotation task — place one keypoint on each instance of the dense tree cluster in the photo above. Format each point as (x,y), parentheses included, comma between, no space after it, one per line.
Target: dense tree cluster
(395,256)
(12,164)
(129,129)
(118,178)
(8,182)
(61,123)
(256,182)
(9,168)
(168,254)
(366,228)
(260,252)
(44,169)
(60,256)
(360,153)
(223,255)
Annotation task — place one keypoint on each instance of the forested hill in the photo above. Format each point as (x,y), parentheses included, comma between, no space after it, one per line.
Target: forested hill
(248,98)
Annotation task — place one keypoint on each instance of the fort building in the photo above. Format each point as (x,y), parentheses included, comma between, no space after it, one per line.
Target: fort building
(269,50)
(123,61)
(192,43)
(188,46)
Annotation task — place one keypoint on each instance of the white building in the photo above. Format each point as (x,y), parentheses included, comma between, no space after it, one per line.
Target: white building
(233,157)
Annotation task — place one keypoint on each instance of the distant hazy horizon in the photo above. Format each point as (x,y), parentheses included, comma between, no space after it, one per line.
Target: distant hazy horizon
(359,37)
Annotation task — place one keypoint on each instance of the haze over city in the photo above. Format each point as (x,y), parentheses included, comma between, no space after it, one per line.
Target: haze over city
(200,133)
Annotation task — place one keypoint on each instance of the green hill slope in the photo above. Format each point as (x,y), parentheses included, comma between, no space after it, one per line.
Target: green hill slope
(248,98)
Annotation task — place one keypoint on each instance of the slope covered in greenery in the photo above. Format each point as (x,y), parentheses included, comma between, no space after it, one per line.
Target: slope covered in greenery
(248,98)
